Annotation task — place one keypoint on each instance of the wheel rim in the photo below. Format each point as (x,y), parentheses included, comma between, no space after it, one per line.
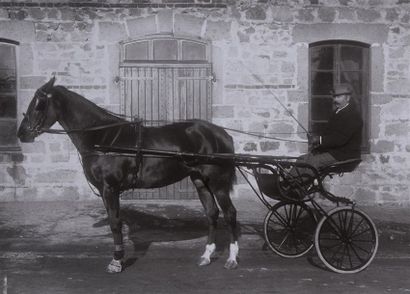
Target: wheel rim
(289,229)
(346,240)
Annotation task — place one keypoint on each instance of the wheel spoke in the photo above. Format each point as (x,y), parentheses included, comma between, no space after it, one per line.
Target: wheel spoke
(284,240)
(361,233)
(357,226)
(280,218)
(333,225)
(361,248)
(300,212)
(356,253)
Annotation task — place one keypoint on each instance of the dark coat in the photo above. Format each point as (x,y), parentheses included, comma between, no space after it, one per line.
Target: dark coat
(343,134)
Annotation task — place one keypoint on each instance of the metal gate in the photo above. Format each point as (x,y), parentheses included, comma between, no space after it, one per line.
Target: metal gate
(163,93)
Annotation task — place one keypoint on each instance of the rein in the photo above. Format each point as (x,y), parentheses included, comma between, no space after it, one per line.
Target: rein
(96,128)
(122,123)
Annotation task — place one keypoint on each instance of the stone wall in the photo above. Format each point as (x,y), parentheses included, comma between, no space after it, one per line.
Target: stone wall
(260,58)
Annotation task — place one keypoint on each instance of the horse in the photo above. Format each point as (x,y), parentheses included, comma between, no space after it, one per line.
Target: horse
(89,125)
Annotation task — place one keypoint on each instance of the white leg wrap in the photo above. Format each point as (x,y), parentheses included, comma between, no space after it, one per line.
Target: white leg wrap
(115,266)
(232,263)
(206,257)
(233,250)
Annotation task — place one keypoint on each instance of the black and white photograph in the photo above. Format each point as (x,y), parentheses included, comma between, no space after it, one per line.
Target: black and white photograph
(204,146)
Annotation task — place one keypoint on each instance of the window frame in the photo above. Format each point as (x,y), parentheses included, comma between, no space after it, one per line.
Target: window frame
(14,146)
(337,75)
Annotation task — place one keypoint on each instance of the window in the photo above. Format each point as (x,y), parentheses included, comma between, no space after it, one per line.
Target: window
(333,62)
(169,49)
(8,95)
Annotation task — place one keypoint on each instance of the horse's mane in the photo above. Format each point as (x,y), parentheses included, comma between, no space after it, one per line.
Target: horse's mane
(73,96)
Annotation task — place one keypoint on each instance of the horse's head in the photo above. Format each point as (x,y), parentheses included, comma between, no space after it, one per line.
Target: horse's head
(40,114)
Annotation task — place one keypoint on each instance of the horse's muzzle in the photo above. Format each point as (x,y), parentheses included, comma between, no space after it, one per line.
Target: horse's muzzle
(24,135)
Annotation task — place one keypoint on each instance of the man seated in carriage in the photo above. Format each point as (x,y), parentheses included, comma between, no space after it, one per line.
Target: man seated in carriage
(341,139)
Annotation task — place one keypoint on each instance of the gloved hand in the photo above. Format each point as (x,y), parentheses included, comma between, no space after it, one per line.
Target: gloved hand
(314,141)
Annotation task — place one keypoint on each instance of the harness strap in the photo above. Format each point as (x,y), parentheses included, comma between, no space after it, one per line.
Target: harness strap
(138,154)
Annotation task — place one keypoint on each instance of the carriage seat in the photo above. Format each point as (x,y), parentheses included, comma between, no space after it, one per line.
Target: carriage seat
(340,167)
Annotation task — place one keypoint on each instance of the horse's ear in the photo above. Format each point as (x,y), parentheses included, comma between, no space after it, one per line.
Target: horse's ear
(49,84)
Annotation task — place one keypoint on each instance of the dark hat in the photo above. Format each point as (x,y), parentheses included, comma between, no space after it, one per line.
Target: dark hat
(341,89)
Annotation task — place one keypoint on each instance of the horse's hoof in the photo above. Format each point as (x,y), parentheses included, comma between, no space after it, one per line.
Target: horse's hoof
(231,264)
(204,261)
(114,267)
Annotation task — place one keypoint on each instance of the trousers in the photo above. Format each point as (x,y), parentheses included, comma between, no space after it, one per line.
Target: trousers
(317,160)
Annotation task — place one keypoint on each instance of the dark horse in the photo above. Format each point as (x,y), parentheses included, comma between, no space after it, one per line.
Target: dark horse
(89,125)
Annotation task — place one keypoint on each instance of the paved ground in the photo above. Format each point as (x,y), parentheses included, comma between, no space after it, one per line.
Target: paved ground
(63,247)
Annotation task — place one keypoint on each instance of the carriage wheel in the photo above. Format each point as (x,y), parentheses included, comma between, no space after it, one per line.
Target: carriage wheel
(289,229)
(346,240)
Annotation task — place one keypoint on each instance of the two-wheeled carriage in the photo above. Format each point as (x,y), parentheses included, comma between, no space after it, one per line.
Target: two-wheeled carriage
(345,237)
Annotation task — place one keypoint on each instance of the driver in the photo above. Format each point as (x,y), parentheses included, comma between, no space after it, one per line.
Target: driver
(342,136)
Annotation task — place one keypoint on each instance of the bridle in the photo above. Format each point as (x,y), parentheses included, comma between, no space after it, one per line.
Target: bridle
(36,127)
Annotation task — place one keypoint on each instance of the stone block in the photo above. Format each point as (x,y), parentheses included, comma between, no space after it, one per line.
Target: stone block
(382,146)
(297,96)
(223,111)
(303,68)
(188,25)
(380,99)
(281,129)
(267,146)
(302,117)
(362,195)
(31,82)
(346,13)
(218,30)
(327,14)
(67,13)
(256,13)
(70,193)
(398,109)
(165,20)
(35,147)
(376,122)
(250,146)
(53,13)
(398,129)
(21,31)
(377,69)
(26,57)
(282,13)
(56,176)
(60,157)
(112,32)
(396,52)
(142,26)
(18,14)
(305,15)
(37,13)
(368,15)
